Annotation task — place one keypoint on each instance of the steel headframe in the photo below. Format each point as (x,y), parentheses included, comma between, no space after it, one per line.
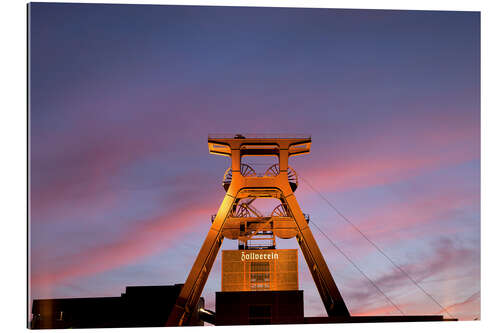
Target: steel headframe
(240,185)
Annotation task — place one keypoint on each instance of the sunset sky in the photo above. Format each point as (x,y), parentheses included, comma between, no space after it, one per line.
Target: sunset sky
(122,99)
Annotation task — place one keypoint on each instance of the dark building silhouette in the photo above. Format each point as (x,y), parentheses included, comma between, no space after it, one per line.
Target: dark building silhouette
(142,306)
(285,307)
(150,306)
(259,307)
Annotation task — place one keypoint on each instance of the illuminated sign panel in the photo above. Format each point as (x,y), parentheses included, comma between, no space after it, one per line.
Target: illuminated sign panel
(255,270)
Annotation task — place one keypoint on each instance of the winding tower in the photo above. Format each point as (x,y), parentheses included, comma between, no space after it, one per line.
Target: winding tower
(238,219)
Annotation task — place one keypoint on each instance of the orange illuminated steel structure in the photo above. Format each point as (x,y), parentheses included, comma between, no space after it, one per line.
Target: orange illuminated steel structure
(236,219)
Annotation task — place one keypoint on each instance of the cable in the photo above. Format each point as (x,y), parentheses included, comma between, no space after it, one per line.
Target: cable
(375,245)
(357,267)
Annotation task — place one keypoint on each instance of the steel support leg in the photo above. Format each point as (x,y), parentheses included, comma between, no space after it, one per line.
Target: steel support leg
(191,291)
(330,294)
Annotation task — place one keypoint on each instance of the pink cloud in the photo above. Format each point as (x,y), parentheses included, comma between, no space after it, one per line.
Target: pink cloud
(447,257)
(377,311)
(366,171)
(83,175)
(412,145)
(147,238)
(408,219)
(469,309)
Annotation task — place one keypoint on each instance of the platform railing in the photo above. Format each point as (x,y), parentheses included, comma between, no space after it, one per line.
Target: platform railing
(259,136)
(266,215)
